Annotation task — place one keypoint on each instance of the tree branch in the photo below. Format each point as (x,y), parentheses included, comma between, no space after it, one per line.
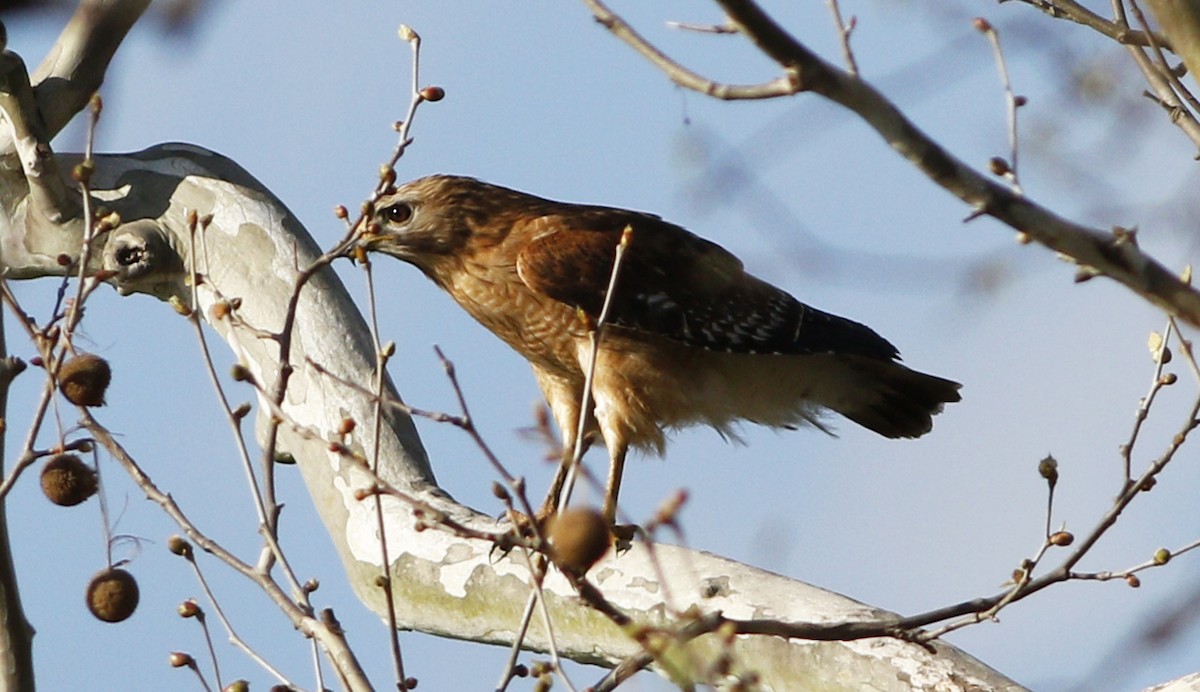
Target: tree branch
(16,634)
(1073,11)
(1113,254)
(74,67)
(681,75)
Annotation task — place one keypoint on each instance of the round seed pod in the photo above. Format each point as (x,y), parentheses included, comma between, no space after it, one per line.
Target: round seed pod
(578,539)
(83,380)
(67,480)
(112,595)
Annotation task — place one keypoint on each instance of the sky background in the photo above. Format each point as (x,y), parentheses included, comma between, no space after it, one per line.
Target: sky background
(542,99)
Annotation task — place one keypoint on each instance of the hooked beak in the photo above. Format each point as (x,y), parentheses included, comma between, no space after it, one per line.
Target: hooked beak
(368,240)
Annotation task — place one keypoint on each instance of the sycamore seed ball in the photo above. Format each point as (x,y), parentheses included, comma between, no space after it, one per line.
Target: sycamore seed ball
(83,380)
(112,595)
(67,480)
(578,539)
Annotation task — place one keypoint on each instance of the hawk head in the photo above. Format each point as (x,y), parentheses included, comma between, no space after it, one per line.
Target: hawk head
(421,221)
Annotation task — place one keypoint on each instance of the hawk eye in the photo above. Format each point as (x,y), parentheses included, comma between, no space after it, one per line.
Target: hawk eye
(398,212)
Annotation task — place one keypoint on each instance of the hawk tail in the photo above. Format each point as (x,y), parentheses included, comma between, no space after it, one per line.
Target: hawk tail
(889,398)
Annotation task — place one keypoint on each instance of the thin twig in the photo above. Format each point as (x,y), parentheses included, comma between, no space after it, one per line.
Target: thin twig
(1144,404)
(1160,59)
(75,309)
(1159,76)
(681,75)
(234,637)
(596,334)
(264,503)
(1012,101)
(467,423)
(971,611)
(1118,30)
(514,651)
(703,28)
(381,359)
(332,639)
(844,30)
(202,619)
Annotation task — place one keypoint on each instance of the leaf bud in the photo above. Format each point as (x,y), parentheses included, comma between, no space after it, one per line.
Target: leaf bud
(1061,538)
(179,546)
(240,373)
(189,609)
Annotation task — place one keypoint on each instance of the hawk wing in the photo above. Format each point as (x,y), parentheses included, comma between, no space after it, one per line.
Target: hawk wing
(678,286)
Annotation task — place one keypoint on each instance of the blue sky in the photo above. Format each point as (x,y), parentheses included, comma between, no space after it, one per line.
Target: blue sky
(542,99)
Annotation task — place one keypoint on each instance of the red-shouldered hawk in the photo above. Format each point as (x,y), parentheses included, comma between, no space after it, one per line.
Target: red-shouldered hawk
(690,338)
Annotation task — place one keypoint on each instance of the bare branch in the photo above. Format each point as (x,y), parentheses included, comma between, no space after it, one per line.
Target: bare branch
(1114,255)
(681,75)
(331,638)
(16,634)
(75,66)
(844,30)
(1012,166)
(1170,92)
(1073,11)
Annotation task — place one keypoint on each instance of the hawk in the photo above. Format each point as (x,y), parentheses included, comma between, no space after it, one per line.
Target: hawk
(690,337)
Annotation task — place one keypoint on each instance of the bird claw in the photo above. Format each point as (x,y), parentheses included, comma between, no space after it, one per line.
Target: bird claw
(521,533)
(503,544)
(525,528)
(623,535)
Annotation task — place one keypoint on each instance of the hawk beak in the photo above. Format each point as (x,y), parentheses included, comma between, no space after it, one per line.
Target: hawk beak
(374,240)
(367,242)
(382,242)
